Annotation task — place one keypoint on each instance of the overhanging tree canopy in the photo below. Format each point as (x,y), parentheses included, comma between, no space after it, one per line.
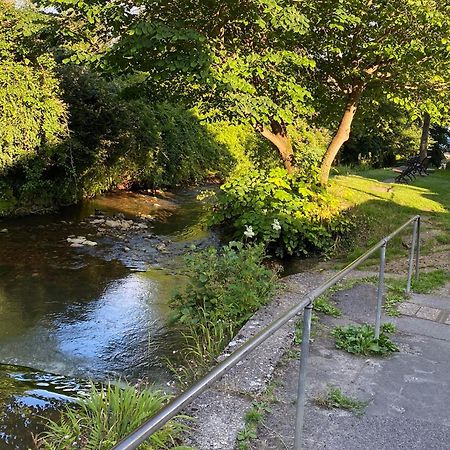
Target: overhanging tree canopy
(236,60)
(263,61)
(396,49)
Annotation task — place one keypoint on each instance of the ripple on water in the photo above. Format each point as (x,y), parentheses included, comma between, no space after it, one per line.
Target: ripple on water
(86,314)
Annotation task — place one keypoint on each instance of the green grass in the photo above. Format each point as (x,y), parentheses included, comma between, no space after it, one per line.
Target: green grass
(323,305)
(108,415)
(426,284)
(430,281)
(395,294)
(202,344)
(381,207)
(253,417)
(335,398)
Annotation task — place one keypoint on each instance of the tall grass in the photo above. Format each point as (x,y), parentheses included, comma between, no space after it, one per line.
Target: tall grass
(106,416)
(202,344)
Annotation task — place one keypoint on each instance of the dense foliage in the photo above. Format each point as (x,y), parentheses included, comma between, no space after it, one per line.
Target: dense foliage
(224,289)
(225,286)
(143,94)
(395,51)
(67,133)
(271,62)
(128,141)
(32,116)
(287,212)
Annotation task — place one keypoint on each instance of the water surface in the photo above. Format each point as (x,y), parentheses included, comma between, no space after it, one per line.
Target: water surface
(99,312)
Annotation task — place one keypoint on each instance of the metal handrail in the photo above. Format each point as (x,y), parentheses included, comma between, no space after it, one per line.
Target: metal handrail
(152,425)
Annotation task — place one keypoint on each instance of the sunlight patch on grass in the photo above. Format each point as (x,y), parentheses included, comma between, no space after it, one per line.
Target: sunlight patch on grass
(380,207)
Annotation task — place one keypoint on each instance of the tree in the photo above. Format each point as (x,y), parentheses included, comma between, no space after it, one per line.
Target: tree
(237,60)
(32,116)
(262,62)
(394,49)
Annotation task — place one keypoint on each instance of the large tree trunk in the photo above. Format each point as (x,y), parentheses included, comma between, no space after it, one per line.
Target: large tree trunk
(342,134)
(424,139)
(278,136)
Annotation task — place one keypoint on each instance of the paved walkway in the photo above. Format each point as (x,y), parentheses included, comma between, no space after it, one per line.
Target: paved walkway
(408,394)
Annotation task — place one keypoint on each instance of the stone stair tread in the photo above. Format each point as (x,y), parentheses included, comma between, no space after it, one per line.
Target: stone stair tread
(433,301)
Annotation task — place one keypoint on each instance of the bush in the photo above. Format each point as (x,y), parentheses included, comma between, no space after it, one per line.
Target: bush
(290,215)
(32,116)
(224,290)
(309,145)
(106,417)
(112,141)
(248,149)
(225,286)
(187,152)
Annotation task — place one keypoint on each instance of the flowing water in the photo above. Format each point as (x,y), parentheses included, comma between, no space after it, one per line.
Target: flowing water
(71,312)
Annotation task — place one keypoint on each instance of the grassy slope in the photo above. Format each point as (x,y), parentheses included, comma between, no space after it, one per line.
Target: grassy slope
(381,207)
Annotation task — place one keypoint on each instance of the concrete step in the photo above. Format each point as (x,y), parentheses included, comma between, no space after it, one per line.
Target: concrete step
(432,301)
(429,307)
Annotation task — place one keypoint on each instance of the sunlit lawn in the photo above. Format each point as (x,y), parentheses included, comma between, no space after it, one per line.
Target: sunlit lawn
(381,207)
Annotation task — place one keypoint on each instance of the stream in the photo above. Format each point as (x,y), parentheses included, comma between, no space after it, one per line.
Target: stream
(84,295)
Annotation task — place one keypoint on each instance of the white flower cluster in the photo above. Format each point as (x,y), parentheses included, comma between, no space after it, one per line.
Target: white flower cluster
(276,225)
(249,233)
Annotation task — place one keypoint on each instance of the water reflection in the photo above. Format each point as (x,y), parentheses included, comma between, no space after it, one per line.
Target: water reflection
(86,314)
(26,395)
(117,329)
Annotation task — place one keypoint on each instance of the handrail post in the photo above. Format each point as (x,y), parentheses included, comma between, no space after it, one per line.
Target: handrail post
(412,253)
(301,393)
(153,424)
(417,248)
(380,291)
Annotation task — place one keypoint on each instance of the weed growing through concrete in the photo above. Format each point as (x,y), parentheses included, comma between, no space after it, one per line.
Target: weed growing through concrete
(427,283)
(360,340)
(252,419)
(323,305)
(395,294)
(255,416)
(335,398)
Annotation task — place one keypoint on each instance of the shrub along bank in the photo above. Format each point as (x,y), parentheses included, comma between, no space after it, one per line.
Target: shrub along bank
(97,141)
(289,213)
(225,288)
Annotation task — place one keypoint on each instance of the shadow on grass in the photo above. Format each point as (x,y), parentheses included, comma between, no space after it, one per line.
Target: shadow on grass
(379,208)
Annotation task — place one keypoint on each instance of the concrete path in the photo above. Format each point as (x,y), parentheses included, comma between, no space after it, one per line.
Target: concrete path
(408,394)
